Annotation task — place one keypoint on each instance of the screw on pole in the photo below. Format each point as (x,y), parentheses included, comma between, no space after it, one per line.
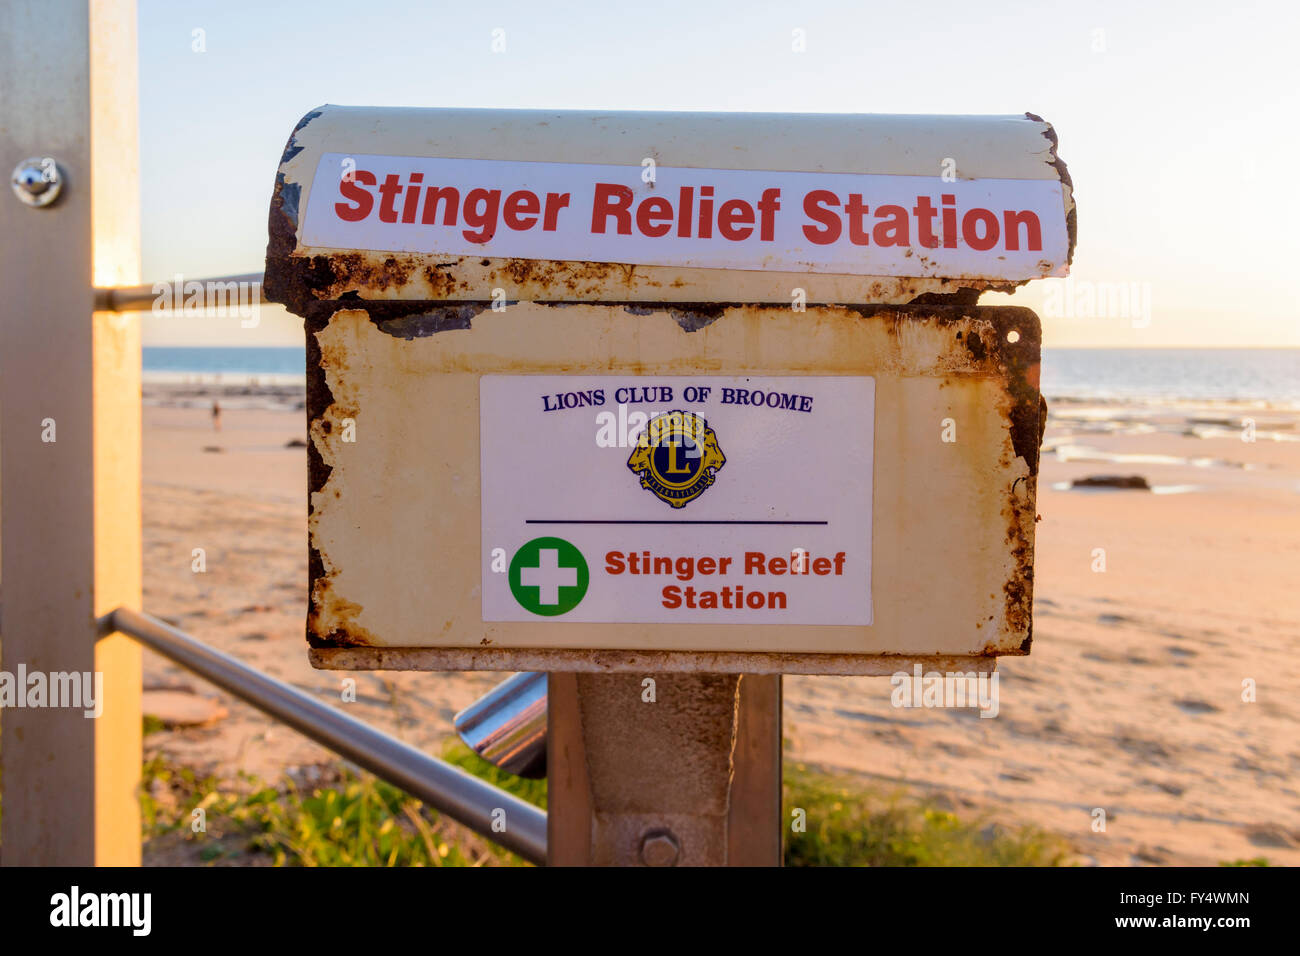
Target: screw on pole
(37,181)
(659,848)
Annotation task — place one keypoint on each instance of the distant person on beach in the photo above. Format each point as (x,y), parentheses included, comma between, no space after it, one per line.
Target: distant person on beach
(216,416)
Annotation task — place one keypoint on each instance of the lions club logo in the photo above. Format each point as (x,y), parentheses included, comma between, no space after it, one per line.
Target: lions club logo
(677,457)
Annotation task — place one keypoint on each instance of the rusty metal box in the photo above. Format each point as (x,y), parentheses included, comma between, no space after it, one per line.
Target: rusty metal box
(823,407)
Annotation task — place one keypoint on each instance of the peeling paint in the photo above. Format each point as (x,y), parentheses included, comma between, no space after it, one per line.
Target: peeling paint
(1058,164)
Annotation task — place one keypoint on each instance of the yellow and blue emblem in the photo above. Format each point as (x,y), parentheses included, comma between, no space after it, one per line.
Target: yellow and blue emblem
(677,457)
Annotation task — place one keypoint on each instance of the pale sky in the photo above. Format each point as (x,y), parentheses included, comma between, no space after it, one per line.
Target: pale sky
(1178,122)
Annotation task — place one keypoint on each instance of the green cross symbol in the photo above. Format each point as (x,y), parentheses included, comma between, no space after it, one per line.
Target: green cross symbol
(549,576)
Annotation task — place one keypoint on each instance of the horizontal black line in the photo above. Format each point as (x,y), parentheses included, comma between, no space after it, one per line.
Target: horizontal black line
(597,521)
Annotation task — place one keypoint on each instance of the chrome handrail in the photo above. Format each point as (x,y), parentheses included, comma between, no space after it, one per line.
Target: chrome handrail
(492,813)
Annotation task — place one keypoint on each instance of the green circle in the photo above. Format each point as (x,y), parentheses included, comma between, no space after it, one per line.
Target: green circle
(549,559)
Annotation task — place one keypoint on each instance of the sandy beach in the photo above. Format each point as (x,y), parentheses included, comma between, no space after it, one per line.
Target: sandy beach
(1131,701)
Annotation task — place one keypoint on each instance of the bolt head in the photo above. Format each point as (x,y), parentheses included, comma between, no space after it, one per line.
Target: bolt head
(659,848)
(37,181)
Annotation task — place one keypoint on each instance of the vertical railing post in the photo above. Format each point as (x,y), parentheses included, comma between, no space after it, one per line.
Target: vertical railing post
(693,779)
(70,429)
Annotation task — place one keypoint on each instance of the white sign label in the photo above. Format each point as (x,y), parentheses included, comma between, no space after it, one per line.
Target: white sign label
(839,223)
(674,500)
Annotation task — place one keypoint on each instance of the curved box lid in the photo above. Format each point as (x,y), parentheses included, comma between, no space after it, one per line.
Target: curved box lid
(472,205)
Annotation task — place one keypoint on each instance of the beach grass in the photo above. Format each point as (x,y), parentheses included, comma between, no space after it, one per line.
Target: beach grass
(346,819)
(351,819)
(834,821)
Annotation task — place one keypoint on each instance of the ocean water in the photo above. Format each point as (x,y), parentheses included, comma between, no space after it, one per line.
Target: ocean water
(1269,376)
(223,364)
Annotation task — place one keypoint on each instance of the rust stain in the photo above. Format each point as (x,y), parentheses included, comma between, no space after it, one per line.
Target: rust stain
(981,346)
(1019,589)
(306,283)
(319,399)
(638,662)
(332,621)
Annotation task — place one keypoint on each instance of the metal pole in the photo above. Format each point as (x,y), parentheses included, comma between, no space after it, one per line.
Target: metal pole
(493,813)
(681,771)
(70,420)
(507,726)
(141,298)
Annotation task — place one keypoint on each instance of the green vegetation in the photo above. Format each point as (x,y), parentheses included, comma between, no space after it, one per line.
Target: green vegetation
(356,820)
(149,724)
(1254,861)
(530,791)
(847,825)
(346,820)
